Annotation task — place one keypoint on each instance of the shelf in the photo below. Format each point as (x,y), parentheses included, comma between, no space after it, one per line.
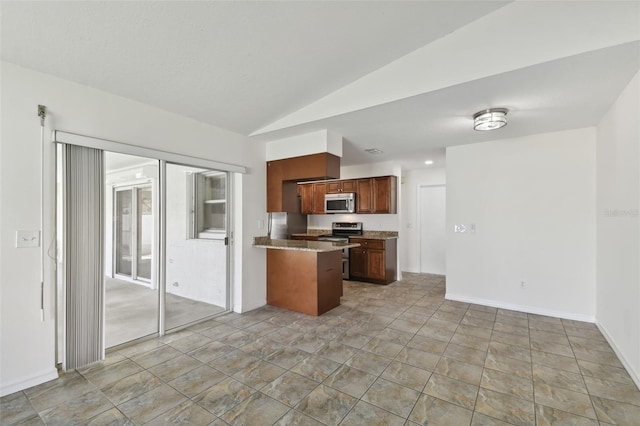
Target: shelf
(215,201)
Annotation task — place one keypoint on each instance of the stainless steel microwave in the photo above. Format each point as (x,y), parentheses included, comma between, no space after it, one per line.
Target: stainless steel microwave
(340,203)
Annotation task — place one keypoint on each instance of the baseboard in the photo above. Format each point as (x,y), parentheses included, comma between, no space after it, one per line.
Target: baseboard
(412,270)
(45,376)
(521,308)
(249,307)
(635,375)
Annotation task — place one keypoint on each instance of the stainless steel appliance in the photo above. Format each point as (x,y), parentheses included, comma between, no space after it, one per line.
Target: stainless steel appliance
(282,225)
(340,203)
(340,232)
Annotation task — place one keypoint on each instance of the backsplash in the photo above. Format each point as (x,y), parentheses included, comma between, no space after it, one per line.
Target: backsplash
(370,222)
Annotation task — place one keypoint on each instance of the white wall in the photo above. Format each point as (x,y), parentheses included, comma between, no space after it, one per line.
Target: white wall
(532,202)
(305,144)
(618,227)
(409,219)
(27,353)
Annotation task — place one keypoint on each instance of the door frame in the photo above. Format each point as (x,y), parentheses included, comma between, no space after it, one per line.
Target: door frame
(420,225)
(134,188)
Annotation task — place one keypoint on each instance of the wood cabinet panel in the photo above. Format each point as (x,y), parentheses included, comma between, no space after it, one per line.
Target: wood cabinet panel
(306,198)
(339,186)
(312,197)
(364,196)
(274,186)
(377,195)
(282,176)
(374,261)
(319,189)
(376,264)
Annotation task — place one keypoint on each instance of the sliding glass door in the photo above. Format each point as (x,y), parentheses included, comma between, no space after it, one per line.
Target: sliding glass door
(134,231)
(196,244)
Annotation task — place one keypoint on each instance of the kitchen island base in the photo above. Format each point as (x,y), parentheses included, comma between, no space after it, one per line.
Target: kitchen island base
(304,281)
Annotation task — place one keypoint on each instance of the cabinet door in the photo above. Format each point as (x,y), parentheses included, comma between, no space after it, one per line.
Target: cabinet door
(364,197)
(357,262)
(348,185)
(333,187)
(382,194)
(306,198)
(376,264)
(319,189)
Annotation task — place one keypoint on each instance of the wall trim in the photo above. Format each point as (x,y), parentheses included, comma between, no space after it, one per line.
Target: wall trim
(412,270)
(635,375)
(521,308)
(42,377)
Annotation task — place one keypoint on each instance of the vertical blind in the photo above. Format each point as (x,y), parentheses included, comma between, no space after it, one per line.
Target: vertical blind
(83,181)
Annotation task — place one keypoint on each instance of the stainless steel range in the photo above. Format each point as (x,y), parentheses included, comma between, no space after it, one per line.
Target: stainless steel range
(340,232)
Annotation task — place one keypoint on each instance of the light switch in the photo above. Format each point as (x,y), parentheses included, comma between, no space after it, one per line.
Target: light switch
(459,228)
(27,239)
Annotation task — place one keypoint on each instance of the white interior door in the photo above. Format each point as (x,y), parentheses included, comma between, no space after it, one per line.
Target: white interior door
(432,229)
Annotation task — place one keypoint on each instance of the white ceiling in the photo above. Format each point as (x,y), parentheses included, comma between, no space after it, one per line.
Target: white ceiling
(404,77)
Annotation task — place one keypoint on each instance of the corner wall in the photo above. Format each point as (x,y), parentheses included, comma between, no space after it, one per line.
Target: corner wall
(532,202)
(618,227)
(27,345)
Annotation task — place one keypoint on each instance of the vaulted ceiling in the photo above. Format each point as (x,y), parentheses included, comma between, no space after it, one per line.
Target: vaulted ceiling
(404,77)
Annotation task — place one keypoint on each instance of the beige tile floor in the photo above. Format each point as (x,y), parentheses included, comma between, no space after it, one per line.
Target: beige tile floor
(390,355)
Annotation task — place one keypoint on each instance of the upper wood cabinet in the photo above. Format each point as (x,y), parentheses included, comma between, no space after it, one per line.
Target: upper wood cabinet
(312,197)
(373,195)
(335,187)
(283,175)
(377,195)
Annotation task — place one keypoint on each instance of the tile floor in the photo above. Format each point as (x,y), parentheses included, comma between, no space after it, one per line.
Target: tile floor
(390,355)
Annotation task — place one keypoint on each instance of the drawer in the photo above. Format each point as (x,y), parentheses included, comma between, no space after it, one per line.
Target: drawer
(365,243)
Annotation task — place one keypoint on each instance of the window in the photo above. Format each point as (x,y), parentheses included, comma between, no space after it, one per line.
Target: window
(209,208)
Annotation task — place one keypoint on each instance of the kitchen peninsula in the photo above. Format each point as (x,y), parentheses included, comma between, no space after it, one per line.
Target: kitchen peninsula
(304,276)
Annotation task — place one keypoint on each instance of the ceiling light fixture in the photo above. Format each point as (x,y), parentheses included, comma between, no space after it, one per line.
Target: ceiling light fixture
(428,162)
(374,151)
(490,119)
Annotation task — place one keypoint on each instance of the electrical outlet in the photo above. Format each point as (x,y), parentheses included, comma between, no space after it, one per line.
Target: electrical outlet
(176,284)
(522,284)
(459,228)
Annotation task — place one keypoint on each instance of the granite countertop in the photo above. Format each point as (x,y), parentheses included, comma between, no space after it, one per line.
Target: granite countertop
(372,235)
(379,235)
(300,245)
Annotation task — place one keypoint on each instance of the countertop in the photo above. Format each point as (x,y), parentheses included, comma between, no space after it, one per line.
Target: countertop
(301,245)
(371,235)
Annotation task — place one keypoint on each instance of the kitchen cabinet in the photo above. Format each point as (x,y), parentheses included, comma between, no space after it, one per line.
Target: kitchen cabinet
(377,195)
(283,176)
(312,197)
(338,186)
(374,261)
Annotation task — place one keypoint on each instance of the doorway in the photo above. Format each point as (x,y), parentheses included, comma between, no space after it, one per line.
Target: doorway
(432,215)
(134,232)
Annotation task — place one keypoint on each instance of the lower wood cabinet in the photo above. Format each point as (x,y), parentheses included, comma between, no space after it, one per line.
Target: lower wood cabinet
(374,261)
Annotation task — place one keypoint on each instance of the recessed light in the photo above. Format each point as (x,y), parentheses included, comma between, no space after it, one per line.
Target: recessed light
(428,162)
(374,151)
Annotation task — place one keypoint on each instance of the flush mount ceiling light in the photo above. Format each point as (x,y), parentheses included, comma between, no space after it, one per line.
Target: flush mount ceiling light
(374,151)
(428,162)
(490,119)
